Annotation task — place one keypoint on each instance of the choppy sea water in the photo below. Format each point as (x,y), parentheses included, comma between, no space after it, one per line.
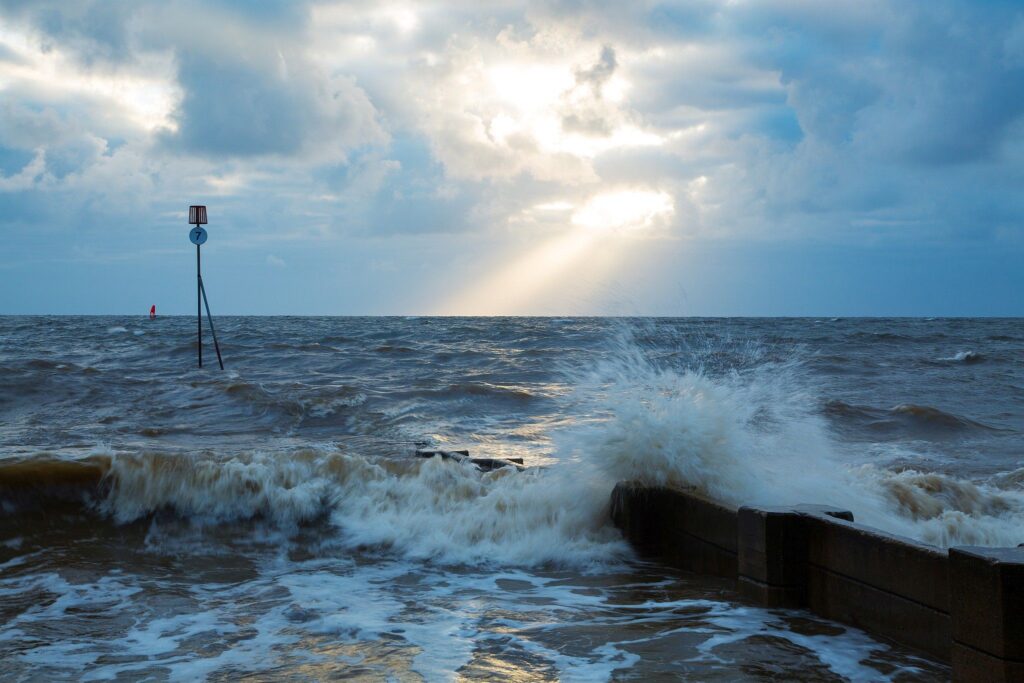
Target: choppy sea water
(161,522)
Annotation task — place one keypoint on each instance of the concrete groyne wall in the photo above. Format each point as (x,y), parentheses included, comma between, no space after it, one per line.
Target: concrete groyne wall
(964,606)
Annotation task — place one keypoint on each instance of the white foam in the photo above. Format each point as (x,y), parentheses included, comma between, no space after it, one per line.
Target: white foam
(844,653)
(393,617)
(751,436)
(755,437)
(423,509)
(964,357)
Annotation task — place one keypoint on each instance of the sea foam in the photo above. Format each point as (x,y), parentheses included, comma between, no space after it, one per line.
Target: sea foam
(754,436)
(744,436)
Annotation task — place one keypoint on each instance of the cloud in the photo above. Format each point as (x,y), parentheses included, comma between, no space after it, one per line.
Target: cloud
(51,148)
(550,91)
(866,122)
(585,108)
(276,106)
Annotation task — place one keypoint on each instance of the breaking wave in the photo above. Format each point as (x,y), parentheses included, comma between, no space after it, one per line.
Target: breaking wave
(745,437)
(965,357)
(754,437)
(431,509)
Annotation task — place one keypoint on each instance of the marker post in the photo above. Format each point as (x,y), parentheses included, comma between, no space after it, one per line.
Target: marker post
(198,236)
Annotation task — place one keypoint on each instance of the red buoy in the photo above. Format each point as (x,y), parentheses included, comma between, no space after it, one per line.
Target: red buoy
(152,311)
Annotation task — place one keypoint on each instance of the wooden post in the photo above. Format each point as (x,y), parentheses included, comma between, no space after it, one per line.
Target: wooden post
(197,236)
(199,308)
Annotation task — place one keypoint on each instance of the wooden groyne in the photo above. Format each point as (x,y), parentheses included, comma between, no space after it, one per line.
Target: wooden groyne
(485,464)
(964,606)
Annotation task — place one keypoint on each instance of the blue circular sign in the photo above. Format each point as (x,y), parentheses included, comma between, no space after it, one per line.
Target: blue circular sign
(197,235)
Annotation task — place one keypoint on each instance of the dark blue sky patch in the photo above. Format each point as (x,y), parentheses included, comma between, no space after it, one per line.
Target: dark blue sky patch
(13,160)
(781,124)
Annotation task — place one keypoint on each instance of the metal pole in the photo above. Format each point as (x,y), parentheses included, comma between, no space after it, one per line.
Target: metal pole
(210,318)
(199,309)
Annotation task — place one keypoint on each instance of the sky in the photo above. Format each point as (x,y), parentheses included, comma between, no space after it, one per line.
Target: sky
(707,158)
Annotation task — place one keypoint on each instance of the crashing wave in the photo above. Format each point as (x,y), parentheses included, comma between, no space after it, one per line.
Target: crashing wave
(750,437)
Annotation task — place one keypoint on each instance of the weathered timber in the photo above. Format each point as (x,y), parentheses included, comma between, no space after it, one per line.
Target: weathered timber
(485,464)
(963,605)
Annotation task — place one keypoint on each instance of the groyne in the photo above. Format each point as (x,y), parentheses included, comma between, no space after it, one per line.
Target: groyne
(964,606)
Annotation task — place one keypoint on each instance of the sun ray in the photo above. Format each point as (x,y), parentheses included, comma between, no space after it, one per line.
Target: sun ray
(532,278)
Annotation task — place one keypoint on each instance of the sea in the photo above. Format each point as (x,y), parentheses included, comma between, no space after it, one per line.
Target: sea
(271,521)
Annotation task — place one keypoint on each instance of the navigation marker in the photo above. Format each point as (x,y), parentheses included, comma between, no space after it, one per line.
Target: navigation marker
(198,237)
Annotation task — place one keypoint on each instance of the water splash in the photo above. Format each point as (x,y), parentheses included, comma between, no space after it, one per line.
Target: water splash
(750,432)
(753,435)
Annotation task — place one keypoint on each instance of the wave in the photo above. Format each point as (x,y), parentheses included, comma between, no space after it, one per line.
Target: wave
(432,509)
(968,357)
(930,416)
(37,364)
(310,346)
(40,481)
(905,419)
(927,496)
(745,437)
(482,394)
(882,336)
(1014,479)
(478,389)
(295,398)
(387,348)
(753,437)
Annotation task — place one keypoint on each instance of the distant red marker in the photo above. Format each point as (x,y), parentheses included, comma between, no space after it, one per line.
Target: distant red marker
(152,311)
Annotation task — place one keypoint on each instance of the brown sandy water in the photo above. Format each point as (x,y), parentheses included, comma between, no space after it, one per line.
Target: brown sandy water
(162,523)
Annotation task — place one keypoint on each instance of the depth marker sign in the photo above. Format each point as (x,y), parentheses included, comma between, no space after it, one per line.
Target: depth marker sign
(198,237)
